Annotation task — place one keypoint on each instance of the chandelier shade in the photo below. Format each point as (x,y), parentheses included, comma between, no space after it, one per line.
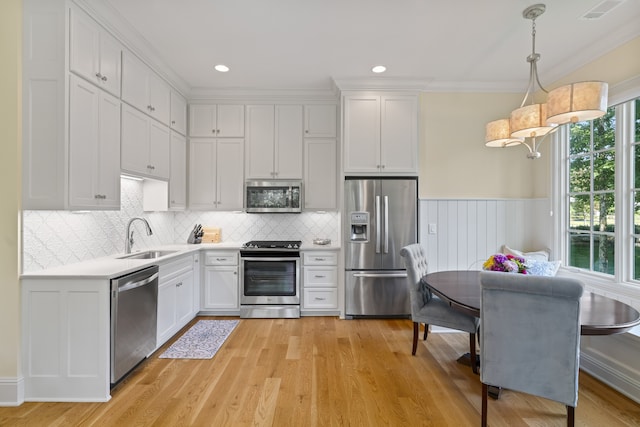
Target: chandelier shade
(498,134)
(577,102)
(529,121)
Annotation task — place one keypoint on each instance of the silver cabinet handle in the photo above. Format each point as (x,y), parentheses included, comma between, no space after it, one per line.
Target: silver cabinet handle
(320,259)
(103,78)
(319,299)
(178,285)
(320,276)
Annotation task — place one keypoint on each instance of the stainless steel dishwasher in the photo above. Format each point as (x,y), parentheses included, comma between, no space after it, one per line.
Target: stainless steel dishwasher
(134,302)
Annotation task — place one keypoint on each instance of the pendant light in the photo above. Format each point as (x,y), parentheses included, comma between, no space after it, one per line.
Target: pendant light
(530,124)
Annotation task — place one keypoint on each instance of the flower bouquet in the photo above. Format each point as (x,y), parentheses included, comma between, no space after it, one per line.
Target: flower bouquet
(506,263)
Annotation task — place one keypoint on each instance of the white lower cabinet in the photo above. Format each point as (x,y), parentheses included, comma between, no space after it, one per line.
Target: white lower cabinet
(320,281)
(175,297)
(220,284)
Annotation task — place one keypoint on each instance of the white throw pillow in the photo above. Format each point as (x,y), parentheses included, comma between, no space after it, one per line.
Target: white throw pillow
(540,255)
(541,268)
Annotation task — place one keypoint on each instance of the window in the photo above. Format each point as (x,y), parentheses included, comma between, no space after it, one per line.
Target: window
(591,194)
(601,189)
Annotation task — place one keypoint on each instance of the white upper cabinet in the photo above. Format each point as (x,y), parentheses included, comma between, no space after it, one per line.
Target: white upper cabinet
(94,147)
(320,121)
(380,134)
(320,174)
(94,54)
(144,89)
(274,142)
(216,178)
(178,178)
(145,145)
(219,121)
(178,113)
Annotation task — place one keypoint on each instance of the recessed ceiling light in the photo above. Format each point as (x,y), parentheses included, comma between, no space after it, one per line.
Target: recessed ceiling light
(221,68)
(379,69)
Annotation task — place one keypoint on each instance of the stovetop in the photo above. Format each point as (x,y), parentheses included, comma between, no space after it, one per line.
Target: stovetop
(272,244)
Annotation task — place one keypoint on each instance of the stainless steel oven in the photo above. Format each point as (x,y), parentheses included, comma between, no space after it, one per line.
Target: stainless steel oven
(270,279)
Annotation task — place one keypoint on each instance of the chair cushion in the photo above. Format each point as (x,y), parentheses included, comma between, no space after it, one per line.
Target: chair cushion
(438,312)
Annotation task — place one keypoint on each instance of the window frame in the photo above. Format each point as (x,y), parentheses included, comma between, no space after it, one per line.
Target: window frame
(623,193)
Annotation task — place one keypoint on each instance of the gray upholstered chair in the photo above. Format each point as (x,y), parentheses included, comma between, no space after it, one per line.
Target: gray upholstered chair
(530,336)
(429,309)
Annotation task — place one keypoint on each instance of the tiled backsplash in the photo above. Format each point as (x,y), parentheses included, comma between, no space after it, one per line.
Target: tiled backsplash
(53,238)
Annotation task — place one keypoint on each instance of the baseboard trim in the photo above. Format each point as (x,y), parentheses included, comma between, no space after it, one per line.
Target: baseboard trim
(614,378)
(11,391)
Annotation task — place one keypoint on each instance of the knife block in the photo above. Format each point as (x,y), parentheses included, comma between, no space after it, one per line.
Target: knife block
(193,239)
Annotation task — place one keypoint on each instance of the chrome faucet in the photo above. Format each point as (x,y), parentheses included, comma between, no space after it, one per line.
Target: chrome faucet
(128,241)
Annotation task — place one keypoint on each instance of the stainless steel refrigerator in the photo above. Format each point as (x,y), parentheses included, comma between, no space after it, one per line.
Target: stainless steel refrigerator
(381,218)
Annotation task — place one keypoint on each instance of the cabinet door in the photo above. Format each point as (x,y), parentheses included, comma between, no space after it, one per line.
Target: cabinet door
(108,166)
(110,63)
(288,142)
(135,141)
(159,149)
(320,174)
(260,141)
(230,121)
(202,174)
(361,134)
(84,104)
(230,174)
(221,287)
(202,120)
(399,134)
(135,85)
(84,46)
(167,316)
(178,113)
(320,121)
(184,299)
(159,98)
(178,178)
(94,54)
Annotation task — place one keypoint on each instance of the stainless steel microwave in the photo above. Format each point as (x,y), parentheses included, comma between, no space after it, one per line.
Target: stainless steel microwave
(275,196)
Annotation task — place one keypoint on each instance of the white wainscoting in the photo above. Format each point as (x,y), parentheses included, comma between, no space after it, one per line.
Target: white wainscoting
(467,231)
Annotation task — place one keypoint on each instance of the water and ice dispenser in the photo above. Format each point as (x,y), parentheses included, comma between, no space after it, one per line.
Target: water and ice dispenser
(359,226)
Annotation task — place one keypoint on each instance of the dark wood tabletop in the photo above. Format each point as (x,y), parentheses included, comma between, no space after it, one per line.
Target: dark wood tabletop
(599,315)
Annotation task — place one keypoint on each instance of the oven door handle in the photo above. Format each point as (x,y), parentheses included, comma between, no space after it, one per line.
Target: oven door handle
(268,258)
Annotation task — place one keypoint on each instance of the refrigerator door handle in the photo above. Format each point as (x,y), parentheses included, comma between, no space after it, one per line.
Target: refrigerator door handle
(386,224)
(378,223)
(402,274)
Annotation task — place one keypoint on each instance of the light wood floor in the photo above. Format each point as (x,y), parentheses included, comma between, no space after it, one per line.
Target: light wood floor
(321,371)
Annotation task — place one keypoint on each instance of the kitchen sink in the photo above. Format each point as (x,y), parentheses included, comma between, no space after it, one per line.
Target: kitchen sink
(147,255)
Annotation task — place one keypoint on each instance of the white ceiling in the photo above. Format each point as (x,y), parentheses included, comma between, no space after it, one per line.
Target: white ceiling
(309,45)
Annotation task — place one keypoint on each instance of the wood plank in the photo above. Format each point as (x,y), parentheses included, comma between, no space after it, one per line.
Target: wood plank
(321,371)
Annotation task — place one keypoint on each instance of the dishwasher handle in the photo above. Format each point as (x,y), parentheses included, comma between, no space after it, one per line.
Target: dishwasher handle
(136,284)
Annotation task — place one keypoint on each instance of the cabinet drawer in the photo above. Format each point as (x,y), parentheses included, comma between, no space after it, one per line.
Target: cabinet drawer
(174,268)
(221,258)
(320,258)
(320,276)
(321,298)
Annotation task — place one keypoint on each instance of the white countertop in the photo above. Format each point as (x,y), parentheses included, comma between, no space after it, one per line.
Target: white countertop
(112,266)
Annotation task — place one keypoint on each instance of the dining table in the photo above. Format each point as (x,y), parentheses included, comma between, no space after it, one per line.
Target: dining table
(599,315)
